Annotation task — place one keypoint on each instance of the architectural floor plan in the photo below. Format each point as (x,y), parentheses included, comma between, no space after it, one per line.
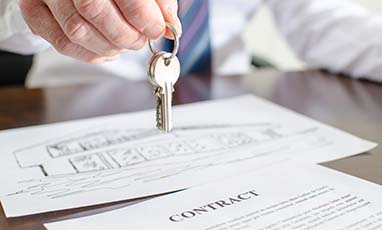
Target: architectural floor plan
(122,157)
(112,149)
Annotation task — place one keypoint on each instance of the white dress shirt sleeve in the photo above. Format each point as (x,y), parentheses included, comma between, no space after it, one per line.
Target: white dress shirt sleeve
(228,20)
(334,34)
(15,35)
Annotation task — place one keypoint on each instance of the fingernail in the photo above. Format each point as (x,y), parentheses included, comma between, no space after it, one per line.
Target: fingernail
(98,60)
(113,58)
(179,27)
(154,31)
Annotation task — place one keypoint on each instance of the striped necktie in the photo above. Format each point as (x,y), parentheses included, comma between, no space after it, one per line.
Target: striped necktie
(194,46)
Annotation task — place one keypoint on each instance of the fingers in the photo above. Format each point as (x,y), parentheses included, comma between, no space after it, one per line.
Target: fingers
(169,10)
(98,30)
(78,30)
(144,15)
(42,23)
(106,17)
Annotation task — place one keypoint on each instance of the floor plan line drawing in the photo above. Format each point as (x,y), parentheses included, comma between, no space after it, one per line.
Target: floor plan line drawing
(108,159)
(79,159)
(212,147)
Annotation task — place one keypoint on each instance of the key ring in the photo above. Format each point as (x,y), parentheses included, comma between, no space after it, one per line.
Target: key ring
(176,43)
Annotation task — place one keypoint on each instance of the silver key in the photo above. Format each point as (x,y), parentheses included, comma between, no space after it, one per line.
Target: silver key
(163,74)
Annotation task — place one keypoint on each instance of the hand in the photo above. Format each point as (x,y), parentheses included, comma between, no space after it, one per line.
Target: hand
(96,31)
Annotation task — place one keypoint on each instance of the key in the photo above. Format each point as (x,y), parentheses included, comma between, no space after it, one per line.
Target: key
(163,74)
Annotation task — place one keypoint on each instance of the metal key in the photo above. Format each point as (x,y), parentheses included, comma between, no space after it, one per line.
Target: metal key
(164,71)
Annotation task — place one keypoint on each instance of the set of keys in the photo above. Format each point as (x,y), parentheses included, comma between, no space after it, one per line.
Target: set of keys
(163,73)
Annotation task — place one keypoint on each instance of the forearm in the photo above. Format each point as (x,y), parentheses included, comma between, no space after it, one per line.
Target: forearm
(334,34)
(15,35)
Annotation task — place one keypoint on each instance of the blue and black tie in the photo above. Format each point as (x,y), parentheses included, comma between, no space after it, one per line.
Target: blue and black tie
(195,46)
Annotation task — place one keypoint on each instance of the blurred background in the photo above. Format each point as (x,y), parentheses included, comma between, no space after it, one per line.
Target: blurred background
(262,37)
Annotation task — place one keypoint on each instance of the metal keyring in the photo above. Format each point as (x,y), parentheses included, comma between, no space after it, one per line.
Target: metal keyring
(176,43)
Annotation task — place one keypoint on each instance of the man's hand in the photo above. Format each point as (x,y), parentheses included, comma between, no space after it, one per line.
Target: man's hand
(96,31)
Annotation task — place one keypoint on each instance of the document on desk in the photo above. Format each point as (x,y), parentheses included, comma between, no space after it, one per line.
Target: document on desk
(121,157)
(286,197)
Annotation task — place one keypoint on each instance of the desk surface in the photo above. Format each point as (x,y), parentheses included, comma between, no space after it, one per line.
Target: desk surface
(353,106)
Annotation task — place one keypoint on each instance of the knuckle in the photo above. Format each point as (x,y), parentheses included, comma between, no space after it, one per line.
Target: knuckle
(85,6)
(92,60)
(62,45)
(135,10)
(92,9)
(75,28)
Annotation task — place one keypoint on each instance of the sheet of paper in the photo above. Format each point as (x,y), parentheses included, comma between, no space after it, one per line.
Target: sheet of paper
(287,197)
(88,162)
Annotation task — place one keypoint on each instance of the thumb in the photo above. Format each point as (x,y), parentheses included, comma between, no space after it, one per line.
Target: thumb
(169,10)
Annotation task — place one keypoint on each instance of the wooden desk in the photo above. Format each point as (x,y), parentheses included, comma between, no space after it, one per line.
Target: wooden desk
(354,106)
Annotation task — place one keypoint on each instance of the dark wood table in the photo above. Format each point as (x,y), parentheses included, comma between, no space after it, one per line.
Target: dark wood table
(352,105)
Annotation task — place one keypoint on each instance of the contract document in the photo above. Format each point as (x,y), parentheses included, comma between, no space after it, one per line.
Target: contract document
(87,162)
(286,197)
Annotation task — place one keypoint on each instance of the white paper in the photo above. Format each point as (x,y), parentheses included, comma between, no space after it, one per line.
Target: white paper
(287,197)
(100,160)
